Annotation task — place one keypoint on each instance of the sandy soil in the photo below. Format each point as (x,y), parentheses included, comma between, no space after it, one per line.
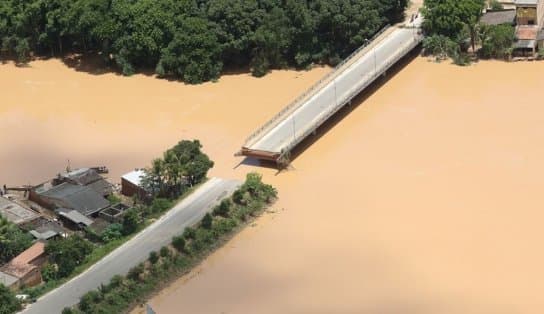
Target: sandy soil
(425,198)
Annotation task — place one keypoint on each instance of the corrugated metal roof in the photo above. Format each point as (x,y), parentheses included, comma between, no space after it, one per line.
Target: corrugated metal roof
(45,235)
(525,44)
(499,17)
(81,198)
(83,176)
(14,212)
(30,254)
(526,2)
(76,217)
(7,279)
(134,177)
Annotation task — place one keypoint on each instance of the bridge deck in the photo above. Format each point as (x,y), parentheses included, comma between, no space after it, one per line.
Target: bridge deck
(278,136)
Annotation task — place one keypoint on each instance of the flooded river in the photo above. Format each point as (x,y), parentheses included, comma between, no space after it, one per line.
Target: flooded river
(425,198)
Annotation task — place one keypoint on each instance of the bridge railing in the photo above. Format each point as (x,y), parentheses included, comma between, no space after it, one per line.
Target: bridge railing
(386,65)
(314,87)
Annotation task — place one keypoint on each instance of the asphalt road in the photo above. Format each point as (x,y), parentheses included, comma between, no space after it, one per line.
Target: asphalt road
(346,84)
(119,262)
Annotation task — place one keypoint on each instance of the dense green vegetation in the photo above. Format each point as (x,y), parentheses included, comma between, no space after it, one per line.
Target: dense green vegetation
(194,39)
(187,250)
(181,167)
(496,40)
(453,26)
(12,240)
(8,303)
(66,254)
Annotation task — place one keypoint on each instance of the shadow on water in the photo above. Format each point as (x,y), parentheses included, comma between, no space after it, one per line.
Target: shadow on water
(340,114)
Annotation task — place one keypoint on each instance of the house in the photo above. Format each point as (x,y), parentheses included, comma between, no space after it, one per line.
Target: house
(14,212)
(529,12)
(529,22)
(131,184)
(25,269)
(83,199)
(86,177)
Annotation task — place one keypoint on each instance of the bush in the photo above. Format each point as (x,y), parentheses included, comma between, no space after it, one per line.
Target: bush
(441,47)
(114,199)
(88,300)
(12,240)
(179,243)
(153,257)
(8,301)
(495,5)
(207,221)
(159,205)
(131,222)
(165,252)
(112,232)
(189,233)
(223,208)
(68,310)
(68,253)
(134,273)
(49,272)
(223,226)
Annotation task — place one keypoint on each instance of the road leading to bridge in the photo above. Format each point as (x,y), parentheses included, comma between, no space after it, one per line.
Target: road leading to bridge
(119,262)
(279,136)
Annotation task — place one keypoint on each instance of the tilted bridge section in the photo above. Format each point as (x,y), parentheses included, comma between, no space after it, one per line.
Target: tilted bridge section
(276,138)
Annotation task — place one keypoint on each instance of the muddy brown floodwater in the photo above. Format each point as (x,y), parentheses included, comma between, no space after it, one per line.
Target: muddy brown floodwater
(425,198)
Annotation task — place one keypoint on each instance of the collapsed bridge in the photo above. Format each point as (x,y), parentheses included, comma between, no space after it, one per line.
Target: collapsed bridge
(275,140)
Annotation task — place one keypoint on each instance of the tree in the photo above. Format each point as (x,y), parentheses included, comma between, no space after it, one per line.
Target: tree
(207,221)
(8,302)
(179,243)
(131,221)
(449,17)
(12,240)
(192,40)
(496,40)
(68,253)
(193,54)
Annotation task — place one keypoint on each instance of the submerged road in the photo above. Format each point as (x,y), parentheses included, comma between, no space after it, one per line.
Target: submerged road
(136,250)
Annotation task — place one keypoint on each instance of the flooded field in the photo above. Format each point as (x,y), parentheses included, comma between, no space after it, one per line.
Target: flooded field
(425,198)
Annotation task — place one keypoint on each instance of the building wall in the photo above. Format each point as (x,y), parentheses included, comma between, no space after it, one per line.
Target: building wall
(32,278)
(129,189)
(524,15)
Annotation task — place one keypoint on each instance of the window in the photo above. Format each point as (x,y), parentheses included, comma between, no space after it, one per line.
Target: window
(531,22)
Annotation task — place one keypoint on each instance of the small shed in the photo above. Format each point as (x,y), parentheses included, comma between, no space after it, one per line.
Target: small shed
(131,184)
(74,217)
(24,270)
